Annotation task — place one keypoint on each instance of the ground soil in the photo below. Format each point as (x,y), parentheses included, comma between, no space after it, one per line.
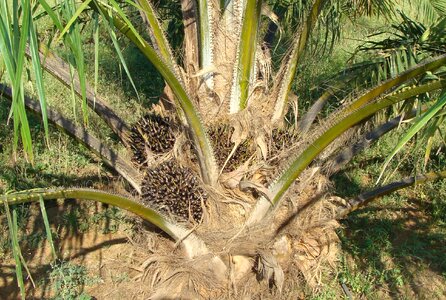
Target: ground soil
(113,261)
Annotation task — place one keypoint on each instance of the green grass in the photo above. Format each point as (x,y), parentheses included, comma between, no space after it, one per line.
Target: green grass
(398,241)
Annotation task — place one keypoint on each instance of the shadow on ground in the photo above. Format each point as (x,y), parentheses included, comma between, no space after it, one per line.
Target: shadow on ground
(82,234)
(395,249)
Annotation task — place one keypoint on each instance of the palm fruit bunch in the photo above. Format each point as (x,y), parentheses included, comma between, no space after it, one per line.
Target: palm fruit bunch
(281,139)
(220,137)
(174,190)
(153,133)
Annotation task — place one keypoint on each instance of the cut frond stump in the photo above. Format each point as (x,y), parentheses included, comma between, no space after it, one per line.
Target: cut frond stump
(174,190)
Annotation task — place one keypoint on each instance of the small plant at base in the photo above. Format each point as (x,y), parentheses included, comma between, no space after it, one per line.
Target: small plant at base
(69,280)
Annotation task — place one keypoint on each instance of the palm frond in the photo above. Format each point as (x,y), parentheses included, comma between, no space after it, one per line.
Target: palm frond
(430,10)
(208,166)
(370,7)
(366,197)
(288,69)
(304,157)
(348,153)
(245,60)
(194,246)
(157,34)
(414,129)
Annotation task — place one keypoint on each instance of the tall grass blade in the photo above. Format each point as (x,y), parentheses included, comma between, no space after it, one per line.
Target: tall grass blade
(109,157)
(73,19)
(73,93)
(49,10)
(37,67)
(110,28)
(16,232)
(75,45)
(15,249)
(25,131)
(96,54)
(60,70)
(19,50)
(49,234)
(12,45)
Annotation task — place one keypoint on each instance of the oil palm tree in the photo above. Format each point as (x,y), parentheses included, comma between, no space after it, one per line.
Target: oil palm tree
(216,165)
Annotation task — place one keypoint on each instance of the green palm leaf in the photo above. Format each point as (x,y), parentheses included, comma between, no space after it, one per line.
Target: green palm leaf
(203,147)
(245,61)
(306,156)
(286,76)
(157,33)
(414,129)
(194,246)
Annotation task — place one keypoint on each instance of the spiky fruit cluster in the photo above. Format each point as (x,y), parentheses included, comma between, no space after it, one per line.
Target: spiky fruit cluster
(220,137)
(281,139)
(174,190)
(154,133)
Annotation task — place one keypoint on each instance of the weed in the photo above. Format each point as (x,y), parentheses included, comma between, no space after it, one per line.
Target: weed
(69,281)
(326,294)
(33,240)
(111,218)
(358,282)
(75,220)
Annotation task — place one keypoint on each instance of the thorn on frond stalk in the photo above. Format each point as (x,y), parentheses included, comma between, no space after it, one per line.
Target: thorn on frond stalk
(206,32)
